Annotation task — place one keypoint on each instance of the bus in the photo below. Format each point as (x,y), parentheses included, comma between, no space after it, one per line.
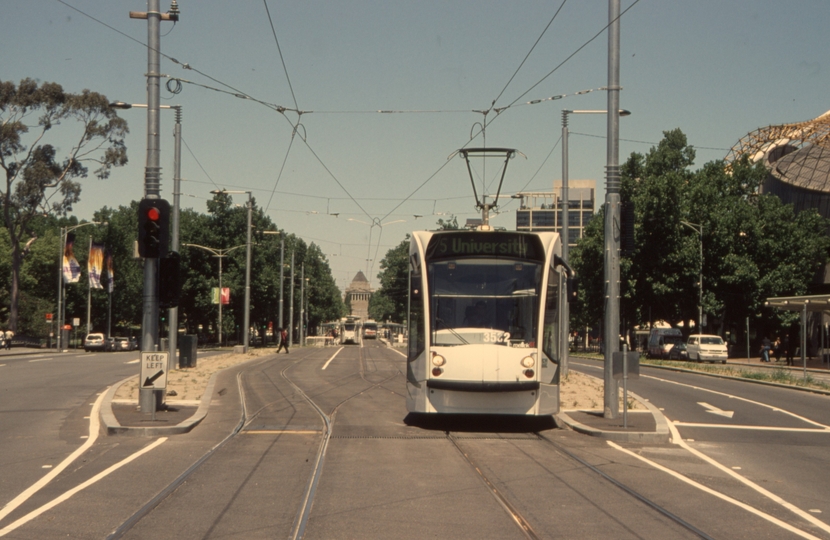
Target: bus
(370,329)
(485,335)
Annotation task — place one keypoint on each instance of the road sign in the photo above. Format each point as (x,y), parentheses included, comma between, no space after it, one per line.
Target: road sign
(48,316)
(153,373)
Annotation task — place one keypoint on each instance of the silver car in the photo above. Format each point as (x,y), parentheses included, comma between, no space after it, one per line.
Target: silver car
(94,342)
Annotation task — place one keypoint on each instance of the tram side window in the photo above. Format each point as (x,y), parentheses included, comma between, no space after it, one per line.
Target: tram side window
(550,346)
(416,317)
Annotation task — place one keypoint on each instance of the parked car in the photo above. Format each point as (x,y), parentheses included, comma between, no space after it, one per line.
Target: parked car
(122,344)
(678,352)
(133,344)
(94,342)
(707,348)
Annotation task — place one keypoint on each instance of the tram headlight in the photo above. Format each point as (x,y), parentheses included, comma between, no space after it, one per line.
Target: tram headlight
(438,360)
(528,362)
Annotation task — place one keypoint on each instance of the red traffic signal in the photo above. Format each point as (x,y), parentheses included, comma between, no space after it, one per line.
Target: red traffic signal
(153,228)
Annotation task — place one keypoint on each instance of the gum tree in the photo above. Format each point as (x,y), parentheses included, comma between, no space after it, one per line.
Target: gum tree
(37,180)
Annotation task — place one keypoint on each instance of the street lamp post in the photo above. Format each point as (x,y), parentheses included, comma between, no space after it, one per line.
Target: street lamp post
(291,306)
(219,254)
(302,304)
(565,203)
(61,304)
(698,228)
(282,251)
(247,332)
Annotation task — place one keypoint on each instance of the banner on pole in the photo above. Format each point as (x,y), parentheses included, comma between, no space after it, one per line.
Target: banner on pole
(95,265)
(225,297)
(71,268)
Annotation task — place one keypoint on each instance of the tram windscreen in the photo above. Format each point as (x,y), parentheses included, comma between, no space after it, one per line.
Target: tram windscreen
(484,300)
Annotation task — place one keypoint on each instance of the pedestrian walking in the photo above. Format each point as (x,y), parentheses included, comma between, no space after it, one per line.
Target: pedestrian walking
(8,337)
(283,341)
(765,347)
(776,348)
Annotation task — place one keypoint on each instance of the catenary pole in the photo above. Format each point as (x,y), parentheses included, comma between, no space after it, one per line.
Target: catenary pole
(612,214)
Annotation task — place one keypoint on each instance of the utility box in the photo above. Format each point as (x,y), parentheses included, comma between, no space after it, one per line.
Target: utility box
(187,351)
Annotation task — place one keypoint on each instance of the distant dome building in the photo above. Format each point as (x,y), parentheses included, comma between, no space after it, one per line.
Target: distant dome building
(358,295)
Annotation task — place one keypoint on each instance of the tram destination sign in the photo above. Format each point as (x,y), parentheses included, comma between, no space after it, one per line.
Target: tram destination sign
(485,244)
(153,370)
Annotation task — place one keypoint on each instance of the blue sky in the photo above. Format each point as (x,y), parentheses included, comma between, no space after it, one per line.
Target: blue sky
(715,69)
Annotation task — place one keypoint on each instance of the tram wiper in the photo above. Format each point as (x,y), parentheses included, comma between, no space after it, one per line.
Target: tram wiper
(452,330)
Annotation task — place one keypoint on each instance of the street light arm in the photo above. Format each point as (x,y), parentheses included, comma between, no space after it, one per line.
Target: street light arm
(216,252)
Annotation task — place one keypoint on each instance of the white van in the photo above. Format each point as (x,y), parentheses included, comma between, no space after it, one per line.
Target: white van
(707,348)
(661,340)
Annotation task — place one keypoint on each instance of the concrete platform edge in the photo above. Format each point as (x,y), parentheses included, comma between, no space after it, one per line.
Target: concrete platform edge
(113,427)
(661,433)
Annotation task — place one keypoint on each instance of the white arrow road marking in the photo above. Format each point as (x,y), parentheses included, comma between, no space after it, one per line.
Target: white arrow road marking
(714,410)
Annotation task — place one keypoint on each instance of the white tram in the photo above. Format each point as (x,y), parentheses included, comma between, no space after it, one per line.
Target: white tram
(484,328)
(350,331)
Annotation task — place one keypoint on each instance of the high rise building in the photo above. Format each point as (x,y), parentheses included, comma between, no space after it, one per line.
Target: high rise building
(542,210)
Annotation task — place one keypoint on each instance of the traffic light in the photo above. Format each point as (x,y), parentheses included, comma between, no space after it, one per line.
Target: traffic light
(170,280)
(153,228)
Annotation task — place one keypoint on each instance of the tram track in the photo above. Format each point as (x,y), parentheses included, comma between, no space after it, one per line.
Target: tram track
(304,512)
(516,514)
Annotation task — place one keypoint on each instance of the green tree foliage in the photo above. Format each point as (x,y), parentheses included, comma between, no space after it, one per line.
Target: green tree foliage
(754,247)
(37,180)
(391,300)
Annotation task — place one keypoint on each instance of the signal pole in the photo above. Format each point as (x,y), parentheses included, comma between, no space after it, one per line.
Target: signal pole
(152,183)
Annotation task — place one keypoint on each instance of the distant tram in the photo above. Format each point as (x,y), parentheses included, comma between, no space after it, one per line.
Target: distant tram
(349,331)
(484,326)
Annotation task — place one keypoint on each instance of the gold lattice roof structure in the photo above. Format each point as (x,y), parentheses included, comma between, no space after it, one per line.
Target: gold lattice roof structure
(757,144)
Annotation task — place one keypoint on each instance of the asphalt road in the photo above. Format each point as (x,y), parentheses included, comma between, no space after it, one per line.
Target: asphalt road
(776,439)
(248,471)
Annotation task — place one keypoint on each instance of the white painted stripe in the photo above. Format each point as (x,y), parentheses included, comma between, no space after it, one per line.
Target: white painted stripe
(746,400)
(397,351)
(54,502)
(676,439)
(718,494)
(332,357)
(759,428)
(40,360)
(730,396)
(94,427)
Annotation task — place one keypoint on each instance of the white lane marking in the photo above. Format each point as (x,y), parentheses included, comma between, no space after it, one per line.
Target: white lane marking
(399,352)
(714,410)
(94,427)
(730,396)
(676,439)
(720,495)
(137,360)
(758,428)
(332,357)
(54,502)
(40,360)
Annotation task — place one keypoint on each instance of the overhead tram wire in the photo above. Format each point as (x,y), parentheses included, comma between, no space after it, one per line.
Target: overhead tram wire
(279,50)
(281,109)
(530,51)
(499,110)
